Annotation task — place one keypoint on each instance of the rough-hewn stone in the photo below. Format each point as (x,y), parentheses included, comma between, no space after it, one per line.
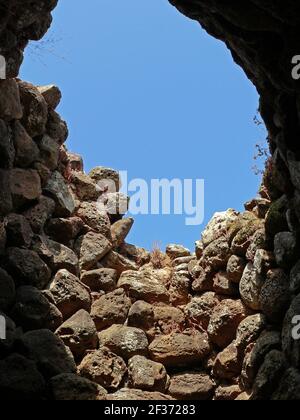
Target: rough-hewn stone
(180,349)
(104,368)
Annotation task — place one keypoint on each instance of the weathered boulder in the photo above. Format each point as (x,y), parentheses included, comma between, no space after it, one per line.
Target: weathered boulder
(70,387)
(101,279)
(120,231)
(235,268)
(259,241)
(276,218)
(224,322)
(10,104)
(243,238)
(147,375)
(84,187)
(79,333)
(139,256)
(177,251)
(286,249)
(27,268)
(295,279)
(124,341)
(119,263)
(95,219)
(20,379)
(111,309)
(275,295)
(57,256)
(180,288)
(143,286)
(268,376)
(48,352)
(57,189)
(289,387)
(25,186)
(33,310)
(255,355)
(191,386)
(75,161)
(168,319)
(69,293)
(218,226)
(141,315)
(204,279)
(6,203)
(91,248)
(227,392)
(115,204)
(200,309)
(108,180)
(264,261)
(18,231)
(38,214)
(64,230)
(250,287)
(7,290)
(56,127)
(224,286)
(228,364)
(51,94)
(35,109)
(104,368)
(127,394)
(180,349)
(249,331)
(27,151)
(216,254)
(49,152)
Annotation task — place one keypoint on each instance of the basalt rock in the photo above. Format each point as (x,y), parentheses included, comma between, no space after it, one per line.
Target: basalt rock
(79,333)
(180,349)
(71,387)
(191,386)
(70,295)
(124,341)
(111,309)
(104,368)
(147,375)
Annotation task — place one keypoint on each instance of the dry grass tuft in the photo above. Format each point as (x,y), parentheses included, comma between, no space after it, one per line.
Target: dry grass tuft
(159,259)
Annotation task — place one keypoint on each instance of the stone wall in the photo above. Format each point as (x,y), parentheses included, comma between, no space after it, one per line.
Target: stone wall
(263,37)
(90,316)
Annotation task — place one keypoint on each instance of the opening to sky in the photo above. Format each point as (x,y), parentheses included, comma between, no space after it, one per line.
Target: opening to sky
(146,90)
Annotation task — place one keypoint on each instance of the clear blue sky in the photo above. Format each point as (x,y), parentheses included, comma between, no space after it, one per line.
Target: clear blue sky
(148,91)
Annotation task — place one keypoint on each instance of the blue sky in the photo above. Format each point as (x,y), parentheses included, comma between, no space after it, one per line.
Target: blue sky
(148,91)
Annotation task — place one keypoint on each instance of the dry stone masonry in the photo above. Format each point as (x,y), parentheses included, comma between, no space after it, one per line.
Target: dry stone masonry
(91,317)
